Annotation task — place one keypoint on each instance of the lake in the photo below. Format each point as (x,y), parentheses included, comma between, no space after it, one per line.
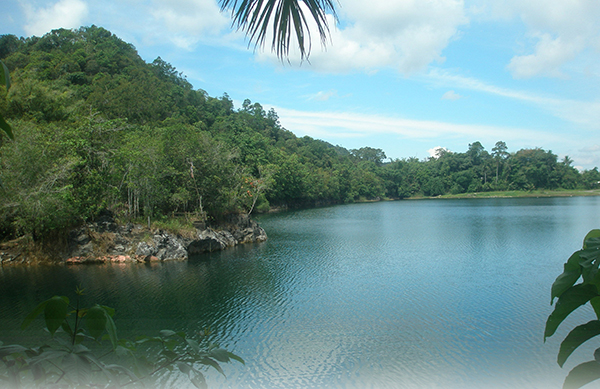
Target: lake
(405,294)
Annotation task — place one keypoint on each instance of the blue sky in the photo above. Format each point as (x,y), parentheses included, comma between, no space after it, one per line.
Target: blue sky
(405,76)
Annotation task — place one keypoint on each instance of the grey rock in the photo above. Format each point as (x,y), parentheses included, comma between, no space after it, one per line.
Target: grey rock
(126,239)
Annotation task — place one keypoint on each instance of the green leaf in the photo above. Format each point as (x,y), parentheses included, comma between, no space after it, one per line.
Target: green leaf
(595,302)
(4,76)
(167,333)
(122,370)
(33,314)
(570,300)
(111,329)
(211,362)
(589,264)
(582,375)
(199,381)
(194,345)
(171,344)
(237,358)
(67,328)
(569,276)
(95,321)
(220,355)
(6,128)
(170,355)
(592,239)
(576,338)
(55,312)
(184,367)
(109,310)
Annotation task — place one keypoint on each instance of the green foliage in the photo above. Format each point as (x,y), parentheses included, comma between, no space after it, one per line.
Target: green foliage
(97,128)
(5,81)
(77,355)
(584,265)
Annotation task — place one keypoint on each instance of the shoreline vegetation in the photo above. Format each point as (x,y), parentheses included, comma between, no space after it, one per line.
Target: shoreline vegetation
(516,194)
(10,251)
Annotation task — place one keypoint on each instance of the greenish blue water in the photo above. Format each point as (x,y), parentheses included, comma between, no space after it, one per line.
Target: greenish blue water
(408,294)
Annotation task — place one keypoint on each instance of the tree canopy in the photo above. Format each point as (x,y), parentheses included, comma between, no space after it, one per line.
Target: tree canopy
(98,128)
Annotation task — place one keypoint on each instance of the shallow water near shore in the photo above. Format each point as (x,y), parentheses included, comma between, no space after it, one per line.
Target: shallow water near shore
(408,294)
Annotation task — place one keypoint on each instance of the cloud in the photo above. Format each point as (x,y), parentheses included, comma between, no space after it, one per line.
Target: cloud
(585,113)
(548,57)
(62,14)
(323,96)
(451,95)
(406,35)
(342,125)
(435,152)
(587,156)
(189,21)
(558,32)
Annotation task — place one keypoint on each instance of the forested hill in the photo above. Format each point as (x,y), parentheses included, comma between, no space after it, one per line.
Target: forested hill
(98,128)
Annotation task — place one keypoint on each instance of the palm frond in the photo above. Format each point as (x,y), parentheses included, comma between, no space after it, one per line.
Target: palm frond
(287,17)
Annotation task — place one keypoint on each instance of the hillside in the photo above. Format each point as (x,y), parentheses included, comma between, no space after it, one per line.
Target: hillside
(96,128)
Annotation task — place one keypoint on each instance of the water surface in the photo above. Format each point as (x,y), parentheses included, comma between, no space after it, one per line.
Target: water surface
(408,294)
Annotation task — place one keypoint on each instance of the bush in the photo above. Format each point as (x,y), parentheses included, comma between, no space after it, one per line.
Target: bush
(84,350)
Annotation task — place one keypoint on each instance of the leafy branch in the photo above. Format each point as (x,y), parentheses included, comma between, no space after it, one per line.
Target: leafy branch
(67,362)
(583,264)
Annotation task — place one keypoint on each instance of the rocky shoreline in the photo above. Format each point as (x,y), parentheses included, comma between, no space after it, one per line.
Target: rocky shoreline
(104,240)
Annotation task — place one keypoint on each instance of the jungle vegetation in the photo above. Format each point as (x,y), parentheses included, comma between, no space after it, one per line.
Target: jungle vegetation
(96,127)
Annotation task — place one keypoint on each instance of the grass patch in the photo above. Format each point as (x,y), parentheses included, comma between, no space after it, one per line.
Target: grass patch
(182,226)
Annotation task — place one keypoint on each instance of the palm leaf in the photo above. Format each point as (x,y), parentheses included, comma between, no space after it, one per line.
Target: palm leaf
(286,18)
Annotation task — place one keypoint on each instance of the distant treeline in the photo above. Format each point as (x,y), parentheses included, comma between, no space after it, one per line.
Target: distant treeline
(98,128)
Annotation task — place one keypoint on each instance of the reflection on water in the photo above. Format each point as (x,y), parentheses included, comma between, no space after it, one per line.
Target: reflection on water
(411,294)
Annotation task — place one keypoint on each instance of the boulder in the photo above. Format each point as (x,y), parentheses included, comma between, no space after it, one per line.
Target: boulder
(164,246)
(105,240)
(209,240)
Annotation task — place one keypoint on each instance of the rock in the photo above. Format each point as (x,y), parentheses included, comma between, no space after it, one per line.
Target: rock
(144,249)
(106,241)
(164,246)
(80,244)
(209,240)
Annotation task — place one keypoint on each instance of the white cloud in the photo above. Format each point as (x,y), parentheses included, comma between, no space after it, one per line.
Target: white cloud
(588,156)
(188,21)
(451,95)
(62,14)
(435,152)
(323,95)
(341,125)
(407,35)
(585,113)
(548,57)
(558,32)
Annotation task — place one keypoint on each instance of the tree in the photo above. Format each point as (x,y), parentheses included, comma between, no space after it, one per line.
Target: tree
(370,154)
(5,80)
(499,152)
(286,17)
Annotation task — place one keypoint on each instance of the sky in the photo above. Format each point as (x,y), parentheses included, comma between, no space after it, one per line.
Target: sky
(405,76)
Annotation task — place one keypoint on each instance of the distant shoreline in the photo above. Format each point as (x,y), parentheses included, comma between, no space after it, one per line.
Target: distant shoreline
(516,194)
